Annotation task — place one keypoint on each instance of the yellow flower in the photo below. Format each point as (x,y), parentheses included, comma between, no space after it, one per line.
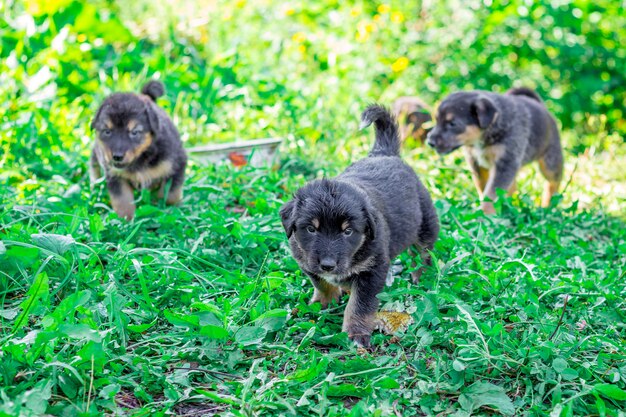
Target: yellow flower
(289,12)
(298,37)
(400,64)
(240,3)
(384,8)
(302,49)
(397,17)
(364,28)
(355,11)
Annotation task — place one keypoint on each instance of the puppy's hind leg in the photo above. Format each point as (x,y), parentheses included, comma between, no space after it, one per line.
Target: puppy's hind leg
(175,192)
(428,234)
(415,251)
(551,166)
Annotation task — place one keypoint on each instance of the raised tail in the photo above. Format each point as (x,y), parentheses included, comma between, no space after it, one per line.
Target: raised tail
(524,91)
(153,89)
(387,141)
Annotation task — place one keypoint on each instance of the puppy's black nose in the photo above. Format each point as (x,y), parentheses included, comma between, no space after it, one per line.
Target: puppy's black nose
(327,264)
(117,157)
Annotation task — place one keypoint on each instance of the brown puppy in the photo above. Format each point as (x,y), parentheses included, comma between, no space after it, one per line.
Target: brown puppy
(500,133)
(412,113)
(137,146)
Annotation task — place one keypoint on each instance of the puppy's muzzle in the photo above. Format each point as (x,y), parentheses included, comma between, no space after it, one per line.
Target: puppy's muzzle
(328,264)
(430,140)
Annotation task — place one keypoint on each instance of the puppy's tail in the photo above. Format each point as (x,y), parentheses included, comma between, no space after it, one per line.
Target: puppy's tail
(153,89)
(387,141)
(524,91)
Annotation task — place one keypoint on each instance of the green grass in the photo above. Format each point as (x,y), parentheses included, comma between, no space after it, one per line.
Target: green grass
(200,309)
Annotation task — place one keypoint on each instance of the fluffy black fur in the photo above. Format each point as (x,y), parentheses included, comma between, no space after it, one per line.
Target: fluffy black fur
(345,231)
(137,147)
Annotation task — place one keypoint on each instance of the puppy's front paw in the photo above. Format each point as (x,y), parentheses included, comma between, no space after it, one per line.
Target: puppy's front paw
(326,298)
(488,208)
(361,340)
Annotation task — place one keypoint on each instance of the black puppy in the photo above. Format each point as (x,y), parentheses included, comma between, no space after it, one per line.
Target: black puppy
(137,146)
(500,133)
(345,231)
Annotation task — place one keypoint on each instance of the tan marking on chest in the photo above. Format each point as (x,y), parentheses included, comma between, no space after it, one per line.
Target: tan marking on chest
(147,177)
(488,156)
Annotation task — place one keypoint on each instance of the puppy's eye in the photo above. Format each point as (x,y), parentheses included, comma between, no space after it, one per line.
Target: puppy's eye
(451,123)
(135,133)
(106,132)
(348,232)
(310,229)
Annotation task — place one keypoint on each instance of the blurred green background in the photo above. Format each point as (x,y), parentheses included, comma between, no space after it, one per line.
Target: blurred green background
(298,69)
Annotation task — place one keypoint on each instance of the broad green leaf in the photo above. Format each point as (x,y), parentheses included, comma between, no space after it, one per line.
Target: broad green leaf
(559,365)
(458,365)
(38,291)
(348,390)
(272,320)
(182,320)
(108,392)
(80,331)
(569,374)
(485,393)
(66,308)
(36,399)
(213,332)
(58,244)
(386,383)
(250,335)
(140,328)
(310,370)
(610,391)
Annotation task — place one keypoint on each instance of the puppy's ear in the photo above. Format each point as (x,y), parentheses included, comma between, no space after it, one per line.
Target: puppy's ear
(370,231)
(153,118)
(485,111)
(95,118)
(288,217)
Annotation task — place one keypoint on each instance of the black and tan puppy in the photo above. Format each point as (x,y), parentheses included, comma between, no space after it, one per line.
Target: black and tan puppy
(500,133)
(344,232)
(412,115)
(137,146)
